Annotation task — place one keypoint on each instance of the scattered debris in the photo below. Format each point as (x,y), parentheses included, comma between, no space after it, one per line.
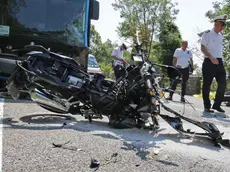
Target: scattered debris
(60,145)
(168,163)
(114,154)
(110,160)
(94,163)
(66,147)
(156,150)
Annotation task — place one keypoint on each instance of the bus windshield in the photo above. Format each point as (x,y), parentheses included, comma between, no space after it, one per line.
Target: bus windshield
(59,20)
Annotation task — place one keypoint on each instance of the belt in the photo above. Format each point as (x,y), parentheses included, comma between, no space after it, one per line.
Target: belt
(220,60)
(180,67)
(215,57)
(118,65)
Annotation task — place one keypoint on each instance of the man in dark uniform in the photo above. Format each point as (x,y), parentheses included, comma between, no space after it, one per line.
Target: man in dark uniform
(212,48)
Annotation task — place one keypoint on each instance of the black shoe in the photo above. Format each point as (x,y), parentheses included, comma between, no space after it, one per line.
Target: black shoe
(209,110)
(219,109)
(169,98)
(182,99)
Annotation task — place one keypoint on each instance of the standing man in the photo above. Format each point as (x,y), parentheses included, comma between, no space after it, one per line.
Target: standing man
(212,48)
(118,60)
(182,59)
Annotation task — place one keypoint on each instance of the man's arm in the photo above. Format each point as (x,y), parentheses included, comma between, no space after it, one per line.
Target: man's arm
(205,51)
(191,58)
(174,61)
(175,57)
(204,43)
(191,61)
(114,56)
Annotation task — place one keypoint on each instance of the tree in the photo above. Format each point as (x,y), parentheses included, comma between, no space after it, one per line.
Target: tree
(143,15)
(95,42)
(169,40)
(102,51)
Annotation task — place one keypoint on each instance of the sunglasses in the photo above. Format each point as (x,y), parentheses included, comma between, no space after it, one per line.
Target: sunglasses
(223,24)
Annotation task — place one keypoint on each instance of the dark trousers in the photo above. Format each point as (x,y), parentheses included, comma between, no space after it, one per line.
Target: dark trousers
(118,71)
(185,76)
(210,71)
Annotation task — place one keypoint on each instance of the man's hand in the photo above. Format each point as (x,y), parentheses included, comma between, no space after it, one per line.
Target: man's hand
(174,61)
(214,60)
(124,61)
(191,69)
(206,53)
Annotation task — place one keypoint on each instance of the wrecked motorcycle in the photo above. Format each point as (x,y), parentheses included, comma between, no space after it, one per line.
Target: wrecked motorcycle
(56,83)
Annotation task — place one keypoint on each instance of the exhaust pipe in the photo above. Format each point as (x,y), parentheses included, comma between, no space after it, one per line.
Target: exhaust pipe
(40,98)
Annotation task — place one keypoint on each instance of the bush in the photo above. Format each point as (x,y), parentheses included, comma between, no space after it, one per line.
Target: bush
(107,70)
(214,85)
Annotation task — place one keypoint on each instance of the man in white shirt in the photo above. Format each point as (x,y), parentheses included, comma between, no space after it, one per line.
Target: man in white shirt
(182,58)
(118,60)
(212,48)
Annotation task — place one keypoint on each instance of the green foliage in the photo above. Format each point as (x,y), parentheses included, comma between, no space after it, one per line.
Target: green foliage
(154,21)
(102,51)
(152,18)
(197,70)
(169,40)
(146,16)
(107,70)
(95,42)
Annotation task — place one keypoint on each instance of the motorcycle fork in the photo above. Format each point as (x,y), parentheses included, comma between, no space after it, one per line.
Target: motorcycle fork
(153,103)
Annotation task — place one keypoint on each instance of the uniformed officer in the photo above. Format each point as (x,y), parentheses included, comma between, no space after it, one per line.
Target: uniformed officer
(118,60)
(182,59)
(212,48)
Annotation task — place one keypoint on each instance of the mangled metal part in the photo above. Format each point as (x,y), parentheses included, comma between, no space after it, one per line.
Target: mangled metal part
(210,129)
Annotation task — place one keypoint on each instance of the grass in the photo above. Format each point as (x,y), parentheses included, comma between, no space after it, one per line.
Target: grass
(211,95)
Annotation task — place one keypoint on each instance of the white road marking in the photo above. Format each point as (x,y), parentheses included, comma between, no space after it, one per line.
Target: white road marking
(1,130)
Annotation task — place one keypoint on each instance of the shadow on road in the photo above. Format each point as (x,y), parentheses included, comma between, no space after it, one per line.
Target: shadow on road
(138,140)
(217,115)
(38,122)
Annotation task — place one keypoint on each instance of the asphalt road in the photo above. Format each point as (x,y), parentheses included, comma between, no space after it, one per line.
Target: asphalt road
(28,143)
